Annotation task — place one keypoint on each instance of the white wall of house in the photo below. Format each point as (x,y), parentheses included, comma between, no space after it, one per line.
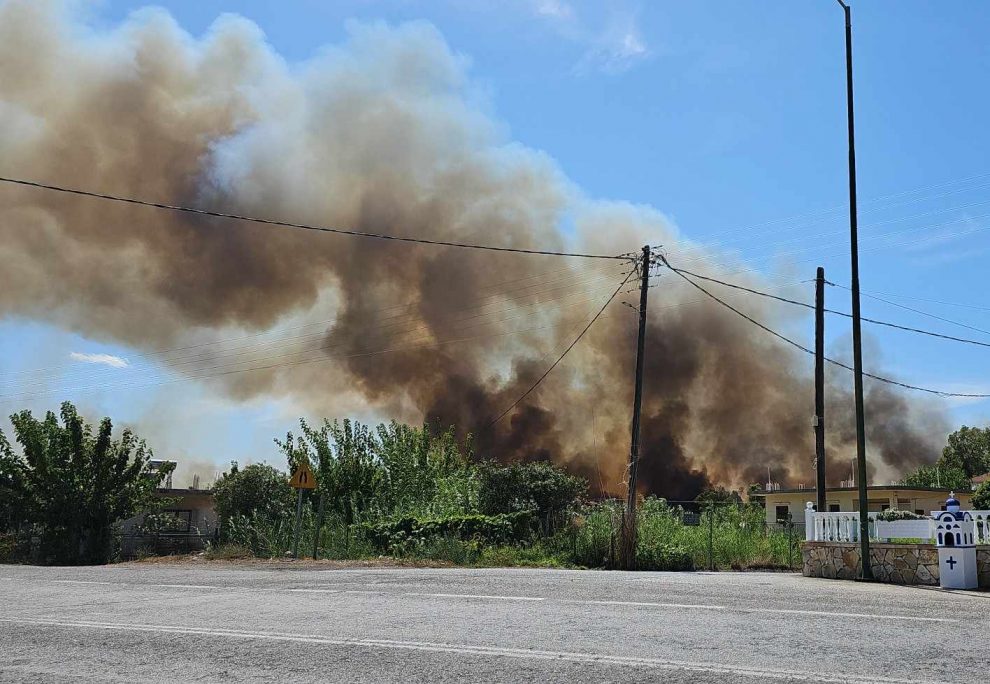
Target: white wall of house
(779,503)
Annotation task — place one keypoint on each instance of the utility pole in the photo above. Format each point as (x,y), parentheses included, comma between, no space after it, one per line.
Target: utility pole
(864,518)
(629,520)
(820,387)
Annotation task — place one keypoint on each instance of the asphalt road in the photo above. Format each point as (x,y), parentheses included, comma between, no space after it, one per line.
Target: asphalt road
(171,623)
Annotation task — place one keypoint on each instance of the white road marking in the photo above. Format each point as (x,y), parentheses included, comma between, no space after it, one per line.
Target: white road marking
(141,584)
(645,604)
(652,605)
(784,611)
(182,586)
(825,613)
(478,596)
(471,649)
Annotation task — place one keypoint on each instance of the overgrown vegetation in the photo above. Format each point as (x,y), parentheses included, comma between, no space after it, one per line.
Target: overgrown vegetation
(895,514)
(69,486)
(965,456)
(392,490)
(981,497)
(417,493)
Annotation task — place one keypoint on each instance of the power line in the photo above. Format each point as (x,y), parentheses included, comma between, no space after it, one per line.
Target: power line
(833,311)
(561,357)
(919,311)
(808,219)
(290,224)
(801,347)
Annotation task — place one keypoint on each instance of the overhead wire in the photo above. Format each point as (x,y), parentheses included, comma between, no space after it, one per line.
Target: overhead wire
(801,347)
(866,319)
(918,311)
(561,357)
(292,224)
(249,343)
(809,219)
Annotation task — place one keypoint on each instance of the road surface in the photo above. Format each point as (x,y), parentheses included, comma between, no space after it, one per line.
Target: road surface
(216,623)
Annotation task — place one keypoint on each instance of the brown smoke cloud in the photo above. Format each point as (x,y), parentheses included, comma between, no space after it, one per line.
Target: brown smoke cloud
(384,134)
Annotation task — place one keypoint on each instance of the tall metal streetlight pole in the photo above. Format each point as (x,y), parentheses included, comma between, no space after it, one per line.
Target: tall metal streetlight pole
(864,519)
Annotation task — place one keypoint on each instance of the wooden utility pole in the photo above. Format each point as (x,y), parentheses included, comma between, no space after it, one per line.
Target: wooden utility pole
(820,387)
(629,520)
(864,519)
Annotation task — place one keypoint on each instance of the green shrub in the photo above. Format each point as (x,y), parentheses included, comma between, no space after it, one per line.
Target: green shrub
(662,557)
(981,497)
(540,486)
(894,514)
(405,533)
(257,490)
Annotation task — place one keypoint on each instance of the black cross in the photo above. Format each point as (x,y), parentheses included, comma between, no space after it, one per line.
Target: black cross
(952,563)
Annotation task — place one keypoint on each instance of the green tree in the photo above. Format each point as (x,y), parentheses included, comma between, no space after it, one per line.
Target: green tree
(538,486)
(968,449)
(938,475)
(75,485)
(719,496)
(254,490)
(981,497)
(343,455)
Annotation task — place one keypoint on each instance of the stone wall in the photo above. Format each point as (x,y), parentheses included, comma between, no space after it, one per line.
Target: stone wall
(895,563)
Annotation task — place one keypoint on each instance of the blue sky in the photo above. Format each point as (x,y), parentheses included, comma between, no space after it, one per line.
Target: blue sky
(729,117)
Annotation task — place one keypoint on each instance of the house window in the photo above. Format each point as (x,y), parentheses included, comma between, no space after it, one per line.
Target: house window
(884,507)
(182,523)
(782,513)
(919,511)
(833,508)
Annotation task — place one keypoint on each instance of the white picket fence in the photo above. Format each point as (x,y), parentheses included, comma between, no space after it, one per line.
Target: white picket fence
(844,527)
(835,527)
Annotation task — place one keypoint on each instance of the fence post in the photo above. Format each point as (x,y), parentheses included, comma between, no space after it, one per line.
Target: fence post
(810,531)
(711,537)
(790,542)
(319,528)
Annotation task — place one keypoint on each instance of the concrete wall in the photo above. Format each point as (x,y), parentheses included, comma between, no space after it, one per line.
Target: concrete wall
(895,563)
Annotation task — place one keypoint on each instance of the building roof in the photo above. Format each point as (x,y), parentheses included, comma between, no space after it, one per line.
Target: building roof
(870,488)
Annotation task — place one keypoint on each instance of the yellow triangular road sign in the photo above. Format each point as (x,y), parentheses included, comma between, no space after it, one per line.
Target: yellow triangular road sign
(302,477)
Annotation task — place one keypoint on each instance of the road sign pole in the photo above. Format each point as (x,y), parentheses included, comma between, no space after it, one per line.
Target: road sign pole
(295,544)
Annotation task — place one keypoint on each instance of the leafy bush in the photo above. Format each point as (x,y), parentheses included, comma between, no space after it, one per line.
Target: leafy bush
(541,487)
(894,514)
(981,497)
(257,490)
(662,557)
(406,533)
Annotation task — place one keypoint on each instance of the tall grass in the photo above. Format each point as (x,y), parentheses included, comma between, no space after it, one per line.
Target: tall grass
(727,537)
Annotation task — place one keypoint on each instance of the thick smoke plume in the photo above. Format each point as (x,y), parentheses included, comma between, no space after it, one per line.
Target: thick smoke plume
(383,133)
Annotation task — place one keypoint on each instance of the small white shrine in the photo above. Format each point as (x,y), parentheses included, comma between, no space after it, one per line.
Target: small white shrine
(955,537)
